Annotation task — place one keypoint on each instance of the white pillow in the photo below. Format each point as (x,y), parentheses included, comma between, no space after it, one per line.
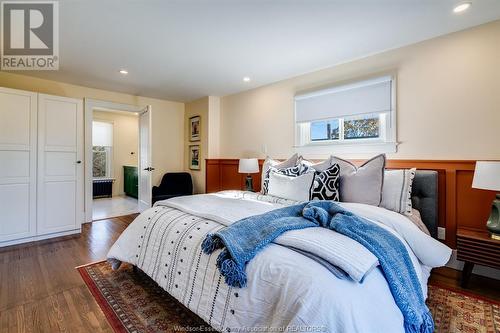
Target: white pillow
(292,188)
(268,163)
(396,191)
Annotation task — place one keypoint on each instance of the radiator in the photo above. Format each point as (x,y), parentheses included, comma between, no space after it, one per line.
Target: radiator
(102,188)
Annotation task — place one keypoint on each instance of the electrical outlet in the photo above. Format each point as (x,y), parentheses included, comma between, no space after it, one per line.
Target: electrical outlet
(441,233)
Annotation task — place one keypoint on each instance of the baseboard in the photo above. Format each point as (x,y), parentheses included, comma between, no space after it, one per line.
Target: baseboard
(39,238)
(478,270)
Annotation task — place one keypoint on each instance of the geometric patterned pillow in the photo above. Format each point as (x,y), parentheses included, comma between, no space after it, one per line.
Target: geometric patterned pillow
(326,184)
(293,171)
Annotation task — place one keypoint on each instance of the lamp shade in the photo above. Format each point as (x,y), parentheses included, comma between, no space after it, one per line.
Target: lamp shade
(248,165)
(487,175)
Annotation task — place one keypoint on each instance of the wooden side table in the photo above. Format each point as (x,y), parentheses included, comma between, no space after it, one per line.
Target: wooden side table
(476,247)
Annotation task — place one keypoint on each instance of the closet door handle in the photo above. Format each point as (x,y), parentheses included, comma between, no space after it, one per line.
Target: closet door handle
(78,162)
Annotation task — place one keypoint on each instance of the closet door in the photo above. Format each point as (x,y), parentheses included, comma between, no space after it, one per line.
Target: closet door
(17,164)
(60,164)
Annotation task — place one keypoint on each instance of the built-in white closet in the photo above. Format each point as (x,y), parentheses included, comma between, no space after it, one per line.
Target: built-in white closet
(41,166)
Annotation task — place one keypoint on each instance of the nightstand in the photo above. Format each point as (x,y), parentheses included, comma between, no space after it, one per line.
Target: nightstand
(476,247)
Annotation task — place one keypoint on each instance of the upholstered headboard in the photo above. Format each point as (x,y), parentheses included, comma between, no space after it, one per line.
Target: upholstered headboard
(424,198)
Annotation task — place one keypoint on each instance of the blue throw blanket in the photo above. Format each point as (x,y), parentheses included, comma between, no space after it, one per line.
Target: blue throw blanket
(244,239)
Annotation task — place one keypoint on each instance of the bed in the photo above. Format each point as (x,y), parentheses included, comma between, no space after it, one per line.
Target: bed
(286,289)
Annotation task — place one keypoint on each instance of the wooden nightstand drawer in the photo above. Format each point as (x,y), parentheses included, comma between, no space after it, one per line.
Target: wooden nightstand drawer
(479,250)
(476,247)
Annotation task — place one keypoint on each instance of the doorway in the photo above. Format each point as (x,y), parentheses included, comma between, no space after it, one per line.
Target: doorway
(118,149)
(115,142)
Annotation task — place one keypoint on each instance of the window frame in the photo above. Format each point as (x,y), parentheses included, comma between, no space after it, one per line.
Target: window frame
(386,143)
(108,150)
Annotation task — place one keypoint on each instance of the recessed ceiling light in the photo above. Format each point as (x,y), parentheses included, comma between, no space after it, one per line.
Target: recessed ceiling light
(462,7)
(123,71)
(246,79)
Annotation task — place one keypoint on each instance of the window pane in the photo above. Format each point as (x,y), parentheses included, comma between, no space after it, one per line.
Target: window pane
(362,128)
(99,162)
(325,130)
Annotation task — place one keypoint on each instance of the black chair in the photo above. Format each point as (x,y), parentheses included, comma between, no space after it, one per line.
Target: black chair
(173,184)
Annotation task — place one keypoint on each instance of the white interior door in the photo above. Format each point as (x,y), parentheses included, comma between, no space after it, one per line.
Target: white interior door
(145,168)
(60,164)
(18,121)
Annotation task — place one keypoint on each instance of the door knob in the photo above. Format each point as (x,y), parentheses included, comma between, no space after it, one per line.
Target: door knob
(78,162)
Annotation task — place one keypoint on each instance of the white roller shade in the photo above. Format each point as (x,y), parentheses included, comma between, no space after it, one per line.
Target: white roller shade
(372,96)
(102,134)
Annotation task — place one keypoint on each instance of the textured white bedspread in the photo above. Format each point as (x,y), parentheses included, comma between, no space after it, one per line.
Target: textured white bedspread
(285,288)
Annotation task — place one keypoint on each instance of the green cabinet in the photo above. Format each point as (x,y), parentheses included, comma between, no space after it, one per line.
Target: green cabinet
(130,181)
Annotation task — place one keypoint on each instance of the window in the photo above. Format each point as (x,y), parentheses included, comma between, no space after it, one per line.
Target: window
(367,127)
(358,117)
(102,142)
(325,130)
(101,161)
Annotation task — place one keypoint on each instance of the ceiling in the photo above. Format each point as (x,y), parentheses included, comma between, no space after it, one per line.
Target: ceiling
(185,49)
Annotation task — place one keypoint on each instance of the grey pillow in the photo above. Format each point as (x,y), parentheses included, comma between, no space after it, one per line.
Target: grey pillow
(363,184)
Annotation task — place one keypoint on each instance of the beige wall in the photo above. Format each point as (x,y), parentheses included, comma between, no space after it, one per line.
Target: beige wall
(167,117)
(200,108)
(213,127)
(448,100)
(125,142)
(208,108)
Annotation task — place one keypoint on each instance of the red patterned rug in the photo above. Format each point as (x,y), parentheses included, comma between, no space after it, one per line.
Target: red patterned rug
(462,312)
(132,302)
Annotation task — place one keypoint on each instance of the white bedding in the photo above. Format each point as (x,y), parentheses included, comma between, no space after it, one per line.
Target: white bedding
(285,288)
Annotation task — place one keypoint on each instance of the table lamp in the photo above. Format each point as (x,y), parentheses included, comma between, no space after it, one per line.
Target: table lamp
(487,177)
(248,166)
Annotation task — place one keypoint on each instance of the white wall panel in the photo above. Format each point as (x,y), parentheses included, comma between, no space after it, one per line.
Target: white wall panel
(18,153)
(15,164)
(15,216)
(60,123)
(15,115)
(60,206)
(60,165)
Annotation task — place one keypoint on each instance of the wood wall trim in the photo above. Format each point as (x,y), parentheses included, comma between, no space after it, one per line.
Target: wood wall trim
(459,204)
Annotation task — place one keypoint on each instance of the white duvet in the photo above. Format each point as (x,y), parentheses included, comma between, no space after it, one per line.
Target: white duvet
(285,288)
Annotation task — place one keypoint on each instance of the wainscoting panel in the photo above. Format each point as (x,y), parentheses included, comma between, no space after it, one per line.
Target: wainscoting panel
(459,204)
(473,206)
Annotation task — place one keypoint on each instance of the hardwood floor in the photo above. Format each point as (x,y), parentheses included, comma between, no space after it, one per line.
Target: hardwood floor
(478,285)
(41,291)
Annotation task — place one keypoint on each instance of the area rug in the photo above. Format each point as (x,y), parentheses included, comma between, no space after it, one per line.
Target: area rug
(132,302)
(462,312)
